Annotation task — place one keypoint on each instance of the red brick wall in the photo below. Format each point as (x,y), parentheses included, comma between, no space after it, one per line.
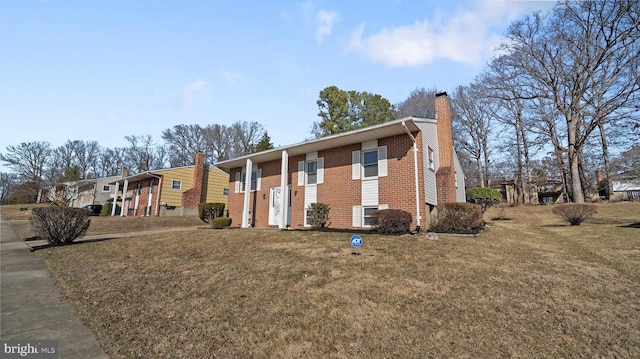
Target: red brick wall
(338,190)
(398,188)
(132,189)
(445,175)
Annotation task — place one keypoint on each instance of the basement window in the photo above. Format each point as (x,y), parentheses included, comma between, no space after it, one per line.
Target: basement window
(367,214)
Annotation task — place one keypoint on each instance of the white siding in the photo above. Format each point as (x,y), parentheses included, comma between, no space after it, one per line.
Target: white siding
(310,196)
(429,139)
(370,193)
(461,195)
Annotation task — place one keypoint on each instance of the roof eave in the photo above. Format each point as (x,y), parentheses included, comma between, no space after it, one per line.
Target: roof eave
(386,129)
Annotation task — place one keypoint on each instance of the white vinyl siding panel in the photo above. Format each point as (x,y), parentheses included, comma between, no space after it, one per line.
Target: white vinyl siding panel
(310,196)
(370,193)
(461,195)
(429,140)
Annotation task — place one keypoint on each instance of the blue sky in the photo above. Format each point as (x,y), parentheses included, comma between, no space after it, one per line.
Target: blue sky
(101,70)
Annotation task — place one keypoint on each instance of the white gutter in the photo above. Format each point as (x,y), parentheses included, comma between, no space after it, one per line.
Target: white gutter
(415,174)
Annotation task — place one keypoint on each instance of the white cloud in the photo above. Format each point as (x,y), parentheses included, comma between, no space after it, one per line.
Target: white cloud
(324,23)
(192,91)
(467,35)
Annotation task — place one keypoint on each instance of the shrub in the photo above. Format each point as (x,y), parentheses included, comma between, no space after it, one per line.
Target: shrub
(210,211)
(106,209)
(574,213)
(459,217)
(394,221)
(483,196)
(59,225)
(318,214)
(220,222)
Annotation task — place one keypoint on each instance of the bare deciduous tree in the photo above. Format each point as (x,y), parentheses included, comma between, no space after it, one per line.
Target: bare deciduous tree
(28,160)
(574,57)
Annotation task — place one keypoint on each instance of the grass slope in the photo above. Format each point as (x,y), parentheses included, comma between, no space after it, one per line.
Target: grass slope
(530,286)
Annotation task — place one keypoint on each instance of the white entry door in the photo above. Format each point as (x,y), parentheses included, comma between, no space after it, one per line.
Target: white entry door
(274,206)
(275,200)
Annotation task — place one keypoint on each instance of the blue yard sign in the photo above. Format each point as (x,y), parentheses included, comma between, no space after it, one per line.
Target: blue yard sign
(356,241)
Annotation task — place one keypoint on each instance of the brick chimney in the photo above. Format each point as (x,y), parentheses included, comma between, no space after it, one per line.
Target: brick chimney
(125,172)
(193,196)
(445,175)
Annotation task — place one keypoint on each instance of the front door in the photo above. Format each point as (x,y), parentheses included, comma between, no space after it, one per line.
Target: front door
(275,212)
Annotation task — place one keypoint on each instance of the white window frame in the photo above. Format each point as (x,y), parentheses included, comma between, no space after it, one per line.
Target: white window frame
(311,176)
(370,165)
(256,174)
(225,191)
(366,217)
(173,185)
(106,188)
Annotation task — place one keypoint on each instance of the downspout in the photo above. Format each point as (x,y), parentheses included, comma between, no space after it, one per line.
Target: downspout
(415,174)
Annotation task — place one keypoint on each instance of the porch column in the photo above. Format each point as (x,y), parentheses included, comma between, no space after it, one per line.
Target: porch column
(124,196)
(115,200)
(247,194)
(284,191)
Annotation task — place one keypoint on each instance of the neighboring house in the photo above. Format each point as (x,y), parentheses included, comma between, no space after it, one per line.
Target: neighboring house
(627,190)
(80,193)
(406,164)
(173,191)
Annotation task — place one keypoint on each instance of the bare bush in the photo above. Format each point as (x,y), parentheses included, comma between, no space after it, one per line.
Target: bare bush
(394,221)
(459,217)
(59,225)
(574,213)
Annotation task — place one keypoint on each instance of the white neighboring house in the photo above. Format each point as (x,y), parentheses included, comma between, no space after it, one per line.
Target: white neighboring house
(627,190)
(81,193)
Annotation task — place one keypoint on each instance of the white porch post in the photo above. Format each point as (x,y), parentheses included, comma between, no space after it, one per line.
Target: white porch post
(124,196)
(149,199)
(115,200)
(284,191)
(247,194)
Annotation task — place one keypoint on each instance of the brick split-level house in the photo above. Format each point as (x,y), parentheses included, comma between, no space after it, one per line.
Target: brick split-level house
(406,164)
(172,191)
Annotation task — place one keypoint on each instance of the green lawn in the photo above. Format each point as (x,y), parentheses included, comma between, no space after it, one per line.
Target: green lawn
(530,286)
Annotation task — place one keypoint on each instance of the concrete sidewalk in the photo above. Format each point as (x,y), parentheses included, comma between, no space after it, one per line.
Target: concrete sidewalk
(32,307)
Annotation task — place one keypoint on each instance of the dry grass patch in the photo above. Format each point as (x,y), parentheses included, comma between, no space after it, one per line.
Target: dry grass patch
(19,220)
(529,287)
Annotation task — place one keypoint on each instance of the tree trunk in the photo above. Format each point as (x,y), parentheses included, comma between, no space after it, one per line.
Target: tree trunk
(608,184)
